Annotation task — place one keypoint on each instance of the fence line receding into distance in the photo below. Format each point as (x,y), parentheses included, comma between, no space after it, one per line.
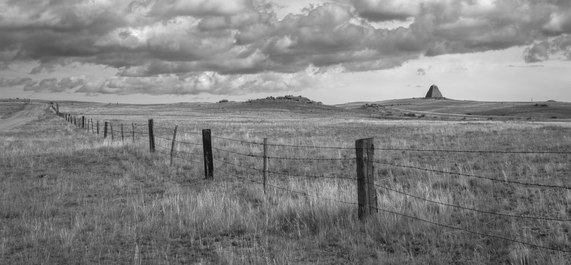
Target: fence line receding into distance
(364,161)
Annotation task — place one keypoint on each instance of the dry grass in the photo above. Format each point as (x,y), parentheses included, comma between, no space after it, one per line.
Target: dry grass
(69,197)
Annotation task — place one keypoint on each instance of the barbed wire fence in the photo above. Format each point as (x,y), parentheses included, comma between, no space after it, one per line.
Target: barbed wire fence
(167,141)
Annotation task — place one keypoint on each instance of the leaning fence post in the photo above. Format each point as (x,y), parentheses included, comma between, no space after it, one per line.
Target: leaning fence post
(207,151)
(151,137)
(265,162)
(122,135)
(133,131)
(105,130)
(173,142)
(366,192)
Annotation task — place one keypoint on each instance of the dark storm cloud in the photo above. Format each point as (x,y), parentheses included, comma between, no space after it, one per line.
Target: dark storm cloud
(160,41)
(385,10)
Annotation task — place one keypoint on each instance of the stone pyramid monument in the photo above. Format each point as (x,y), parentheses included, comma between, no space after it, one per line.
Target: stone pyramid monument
(434,92)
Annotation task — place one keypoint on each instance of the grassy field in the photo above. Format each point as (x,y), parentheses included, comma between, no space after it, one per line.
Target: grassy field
(471,110)
(69,197)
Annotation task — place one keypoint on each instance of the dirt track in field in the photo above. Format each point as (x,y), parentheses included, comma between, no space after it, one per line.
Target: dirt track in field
(28,113)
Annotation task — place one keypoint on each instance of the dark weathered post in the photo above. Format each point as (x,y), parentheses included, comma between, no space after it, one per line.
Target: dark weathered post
(173,142)
(366,192)
(265,162)
(151,137)
(97,127)
(207,151)
(82,122)
(133,131)
(122,135)
(92,131)
(111,128)
(105,130)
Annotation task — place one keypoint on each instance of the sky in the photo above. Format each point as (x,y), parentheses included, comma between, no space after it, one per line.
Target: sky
(334,51)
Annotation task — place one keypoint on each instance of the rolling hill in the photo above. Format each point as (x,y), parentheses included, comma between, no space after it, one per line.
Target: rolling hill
(466,108)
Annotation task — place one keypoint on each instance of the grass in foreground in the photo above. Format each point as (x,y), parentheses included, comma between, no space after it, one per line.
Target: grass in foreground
(68,197)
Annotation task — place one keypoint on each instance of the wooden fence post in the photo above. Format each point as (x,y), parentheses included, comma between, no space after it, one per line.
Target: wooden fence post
(105,130)
(265,162)
(82,122)
(366,192)
(207,151)
(92,131)
(97,127)
(122,135)
(133,131)
(151,137)
(111,128)
(173,142)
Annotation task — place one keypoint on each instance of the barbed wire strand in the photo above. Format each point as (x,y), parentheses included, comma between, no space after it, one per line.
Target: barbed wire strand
(479,177)
(282,174)
(283,158)
(311,146)
(472,209)
(472,232)
(236,140)
(292,191)
(473,151)
(189,143)
(308,158)
(236,153)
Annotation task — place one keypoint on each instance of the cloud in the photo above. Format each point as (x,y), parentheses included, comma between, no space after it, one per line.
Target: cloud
(53,85)
(173,8)
(4,82)
(386,10)
(233,42)
(207,82)
(555,48)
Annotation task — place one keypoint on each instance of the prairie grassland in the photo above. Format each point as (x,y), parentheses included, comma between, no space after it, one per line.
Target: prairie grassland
(69,196)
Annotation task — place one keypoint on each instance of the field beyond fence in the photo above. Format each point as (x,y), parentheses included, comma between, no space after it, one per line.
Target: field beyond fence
(359,164)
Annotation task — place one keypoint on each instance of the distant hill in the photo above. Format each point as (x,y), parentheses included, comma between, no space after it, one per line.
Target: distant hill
(282,103)
(285,99)
(549,110)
